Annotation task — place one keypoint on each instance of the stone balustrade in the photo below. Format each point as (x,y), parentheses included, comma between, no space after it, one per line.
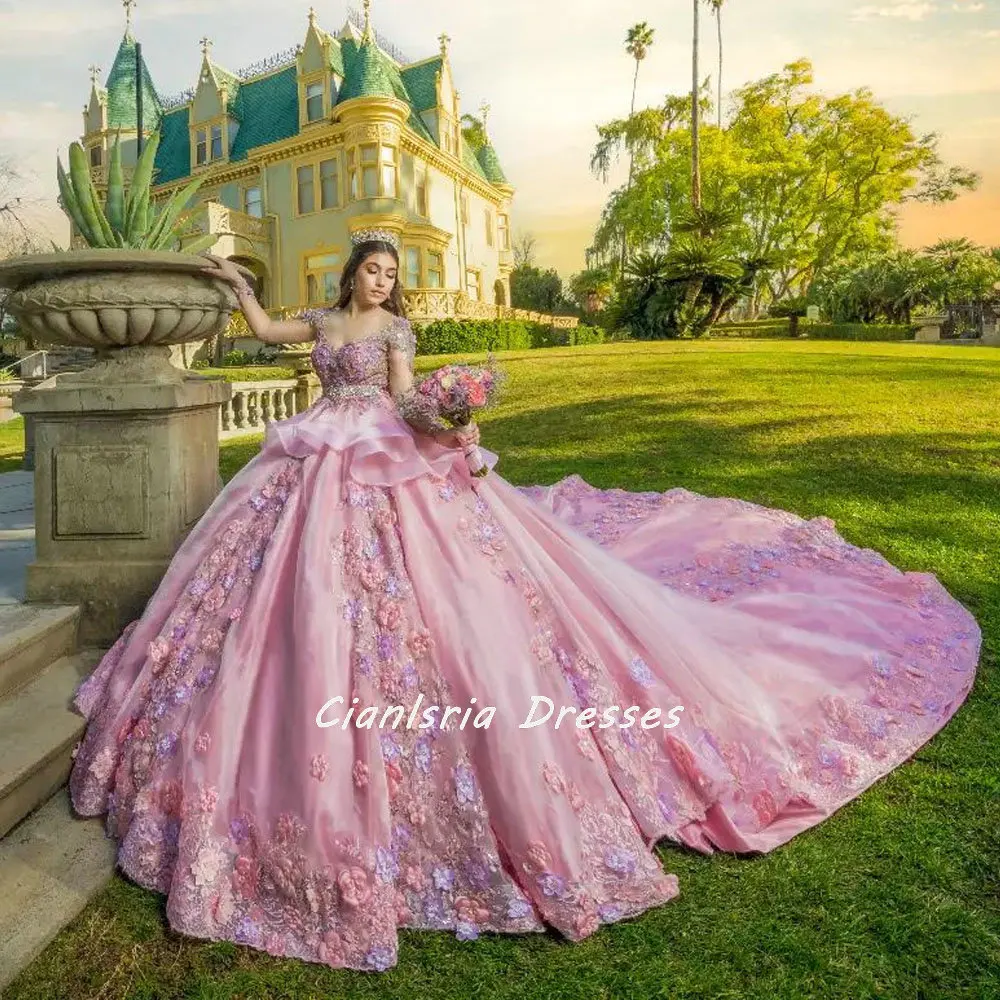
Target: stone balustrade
(255,404)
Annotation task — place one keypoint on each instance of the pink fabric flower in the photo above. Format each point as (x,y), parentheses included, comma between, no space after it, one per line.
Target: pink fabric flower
(246,877)
(212,640)
(371,577)
(420,642)
(385,518)
(389,613)
(361,774)
(394,779)
(575,796)
(332,949)
(158,652)
(585,744)
(208,799)
(319,766)
(586,923)
(288,830)
(553,777)
(413,877)
(354,888)
(353,565)
(214,599)
(765,807)
(203,743)
(538,857)
(470,910)
(416,813)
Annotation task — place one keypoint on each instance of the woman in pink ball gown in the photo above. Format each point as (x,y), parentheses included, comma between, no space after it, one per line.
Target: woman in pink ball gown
(244,738)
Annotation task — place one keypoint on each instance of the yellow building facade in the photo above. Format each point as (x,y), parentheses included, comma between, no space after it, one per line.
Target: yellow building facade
(298,153)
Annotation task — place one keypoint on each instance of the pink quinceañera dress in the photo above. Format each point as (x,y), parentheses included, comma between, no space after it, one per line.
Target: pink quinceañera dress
(355,557)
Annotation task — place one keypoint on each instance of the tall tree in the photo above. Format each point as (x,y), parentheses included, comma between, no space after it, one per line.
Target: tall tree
(638,42)
(813,178)
(716,6)
(695,116)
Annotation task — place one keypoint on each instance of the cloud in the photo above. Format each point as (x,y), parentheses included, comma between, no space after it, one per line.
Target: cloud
(904,10)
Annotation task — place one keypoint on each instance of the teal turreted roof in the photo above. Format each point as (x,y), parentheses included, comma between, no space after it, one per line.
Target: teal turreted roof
(266,107)
(490,163)
(365,73)
(370,73)
(121,91)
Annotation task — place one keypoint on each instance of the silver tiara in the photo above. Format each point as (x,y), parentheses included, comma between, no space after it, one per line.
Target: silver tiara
(375,236)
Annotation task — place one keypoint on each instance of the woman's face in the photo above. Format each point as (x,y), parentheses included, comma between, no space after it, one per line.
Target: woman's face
(374,279)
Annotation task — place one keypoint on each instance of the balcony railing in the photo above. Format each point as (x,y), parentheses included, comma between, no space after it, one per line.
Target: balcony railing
(214,217)
(255,404)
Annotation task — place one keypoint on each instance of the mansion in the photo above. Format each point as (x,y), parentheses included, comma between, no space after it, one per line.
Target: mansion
(337,135)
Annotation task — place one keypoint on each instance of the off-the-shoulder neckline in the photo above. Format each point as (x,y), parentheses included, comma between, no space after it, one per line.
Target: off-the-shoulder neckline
(363,340)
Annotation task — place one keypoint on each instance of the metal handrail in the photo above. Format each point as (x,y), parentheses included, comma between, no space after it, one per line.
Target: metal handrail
(27,357)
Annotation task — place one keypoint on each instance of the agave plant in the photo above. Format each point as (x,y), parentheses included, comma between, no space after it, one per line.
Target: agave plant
(128,219)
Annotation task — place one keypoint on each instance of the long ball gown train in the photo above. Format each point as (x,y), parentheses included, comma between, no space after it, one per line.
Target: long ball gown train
(354,558)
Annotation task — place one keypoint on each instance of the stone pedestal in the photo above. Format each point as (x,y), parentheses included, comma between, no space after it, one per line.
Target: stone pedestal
(929,330)
(124,468)
(991,335)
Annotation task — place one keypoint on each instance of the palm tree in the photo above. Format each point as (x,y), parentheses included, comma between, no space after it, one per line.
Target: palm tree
(695,117)
(716,6)
(638,42)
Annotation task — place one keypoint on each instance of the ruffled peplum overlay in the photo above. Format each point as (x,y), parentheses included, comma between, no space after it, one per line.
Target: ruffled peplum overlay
(354,559)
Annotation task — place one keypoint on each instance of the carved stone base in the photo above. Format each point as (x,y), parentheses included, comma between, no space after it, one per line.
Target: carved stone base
(122,473)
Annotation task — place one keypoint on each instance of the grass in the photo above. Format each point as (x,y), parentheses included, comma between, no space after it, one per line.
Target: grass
(898,895)
(12,445)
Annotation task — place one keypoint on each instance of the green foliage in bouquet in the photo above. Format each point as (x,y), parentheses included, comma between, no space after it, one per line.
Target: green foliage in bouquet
(128,219)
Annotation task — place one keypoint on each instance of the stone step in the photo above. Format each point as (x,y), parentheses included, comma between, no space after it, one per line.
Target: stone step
(51,866)
(38,731)
(32,636)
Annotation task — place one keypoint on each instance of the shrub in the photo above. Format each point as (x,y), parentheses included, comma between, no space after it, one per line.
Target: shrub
(858,331)
(452,336)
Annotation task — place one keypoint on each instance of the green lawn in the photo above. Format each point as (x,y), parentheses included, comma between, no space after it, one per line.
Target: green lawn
(898,895)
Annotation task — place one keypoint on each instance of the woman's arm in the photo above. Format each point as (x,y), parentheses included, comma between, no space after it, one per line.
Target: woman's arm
(270,331)
(413,407)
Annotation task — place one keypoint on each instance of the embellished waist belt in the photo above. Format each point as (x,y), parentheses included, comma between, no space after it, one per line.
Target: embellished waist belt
(336,393)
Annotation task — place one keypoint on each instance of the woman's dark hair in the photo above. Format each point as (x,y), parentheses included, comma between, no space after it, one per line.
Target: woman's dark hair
(394,303)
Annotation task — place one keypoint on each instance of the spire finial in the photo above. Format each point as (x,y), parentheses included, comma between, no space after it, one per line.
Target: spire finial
(128,5)
(312,17)
(367,36)
(95,72)
(206,46)
(484,114)
(444,39)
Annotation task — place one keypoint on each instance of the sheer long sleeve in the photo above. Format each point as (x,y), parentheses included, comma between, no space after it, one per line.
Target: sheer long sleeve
(414,407)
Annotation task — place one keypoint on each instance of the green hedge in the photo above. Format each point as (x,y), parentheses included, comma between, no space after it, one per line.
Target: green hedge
(753,329)
(857,331)
(253,373)
(451,336)
(771,328)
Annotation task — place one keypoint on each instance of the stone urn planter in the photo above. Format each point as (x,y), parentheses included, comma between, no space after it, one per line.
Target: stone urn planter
(126,453)
(131,306)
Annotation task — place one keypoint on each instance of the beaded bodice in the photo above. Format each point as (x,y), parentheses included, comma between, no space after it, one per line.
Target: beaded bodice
(359,368)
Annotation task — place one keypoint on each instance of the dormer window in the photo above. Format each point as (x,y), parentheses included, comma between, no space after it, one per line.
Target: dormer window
(95,156)
(315,92)
(209,143)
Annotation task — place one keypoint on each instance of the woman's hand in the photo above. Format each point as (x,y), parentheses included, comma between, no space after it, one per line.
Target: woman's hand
(224,270)
(463,438)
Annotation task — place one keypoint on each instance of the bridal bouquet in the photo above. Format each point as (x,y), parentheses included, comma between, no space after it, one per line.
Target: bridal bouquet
(456,391)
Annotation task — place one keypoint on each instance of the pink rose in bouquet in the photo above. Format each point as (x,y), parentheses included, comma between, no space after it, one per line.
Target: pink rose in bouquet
(456,391)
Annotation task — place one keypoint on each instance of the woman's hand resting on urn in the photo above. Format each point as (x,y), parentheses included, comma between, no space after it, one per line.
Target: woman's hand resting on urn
(463,438)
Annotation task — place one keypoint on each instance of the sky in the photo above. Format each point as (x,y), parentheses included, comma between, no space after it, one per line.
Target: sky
(550,73)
